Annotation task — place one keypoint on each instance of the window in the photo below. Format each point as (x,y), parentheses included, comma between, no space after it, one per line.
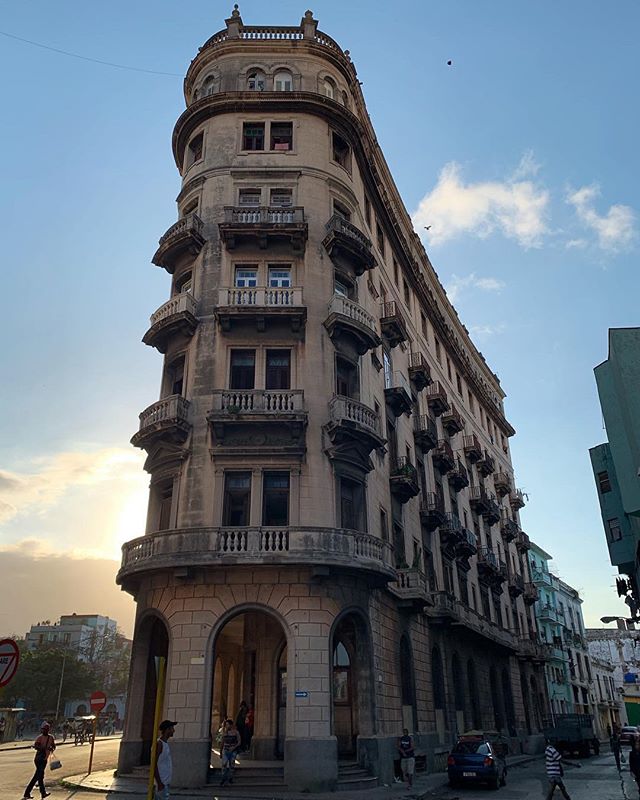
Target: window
(351,495)
(253,136)
(208,86)
(396,273)
(347,383)
(341,288)
(246,276)
(329,88)
(278,370)
(195,148)
(280,197)
(341,211)
(275,498)
(175,376)
(447,574)
(384,526)
(281,135)
(282,81)
(424,327)
(471,402)
(255,81)
(459,384)
(380,239)
(604,484)
(407,295)
(190,208)
(345,99)
(184,283)
(614,532)
(243,369)
(367,211)
(164,517)
(340,151)
(448,368)
(279,277)
(237,496)
(249,197)
(438,352)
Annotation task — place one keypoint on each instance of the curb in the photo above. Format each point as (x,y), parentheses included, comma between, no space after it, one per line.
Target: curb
(9,749)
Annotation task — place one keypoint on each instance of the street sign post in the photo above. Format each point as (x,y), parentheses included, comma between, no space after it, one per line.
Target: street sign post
(97,701)
(9,660)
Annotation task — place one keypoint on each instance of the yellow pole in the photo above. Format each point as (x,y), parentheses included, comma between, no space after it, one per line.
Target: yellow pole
(93,741)
(156,724)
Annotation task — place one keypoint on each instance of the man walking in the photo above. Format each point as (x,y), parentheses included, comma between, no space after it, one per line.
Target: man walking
(44,745)
(229,746)
(614,741)
(407,757)
(164,766)
(553,763)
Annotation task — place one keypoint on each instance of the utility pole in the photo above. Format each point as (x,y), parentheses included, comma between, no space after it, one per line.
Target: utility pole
(64,661)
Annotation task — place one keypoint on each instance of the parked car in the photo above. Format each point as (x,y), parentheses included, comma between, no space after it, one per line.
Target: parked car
(628,734)
(477,759)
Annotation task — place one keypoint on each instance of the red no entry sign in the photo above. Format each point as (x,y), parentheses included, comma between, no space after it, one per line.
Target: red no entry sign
(9,660)
(98,701)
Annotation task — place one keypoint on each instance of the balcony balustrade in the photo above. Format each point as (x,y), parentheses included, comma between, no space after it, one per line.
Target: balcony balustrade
(516,499)
(264,225)
(425,433)
(419,371)
(472,448)
(531,594)
(403,480)
(486,465)
(437,399)
(447,610)
(467,545)
(492,514)
(509,529)
(410,588)
(176,317)
(452,420)
(348,246)
(183,238)
(397,393)
(458,477)
(432,511)
(443,458)
(549,613)
(541,578)
(516,584)
(350,320)
(354,423)
(450,531)
(392,324)
(502,483)
(342,549)
(488,564)
(523,543)
(167,419)
(260,306)
(532,649)
(478,499)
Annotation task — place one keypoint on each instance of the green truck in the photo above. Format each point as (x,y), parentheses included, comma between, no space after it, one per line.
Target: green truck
(571,733)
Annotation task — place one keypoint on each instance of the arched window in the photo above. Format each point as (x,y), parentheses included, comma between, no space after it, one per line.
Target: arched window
(341,674)
(209,86)
(329,87)
(345,99)
(255,81)
(282,81)
(473,694)
(437,679)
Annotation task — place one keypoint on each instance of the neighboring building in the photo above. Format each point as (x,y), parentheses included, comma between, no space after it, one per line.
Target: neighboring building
(608,709)
(333,530)
(616,464)
(81,706)
(620,648)
(87,634)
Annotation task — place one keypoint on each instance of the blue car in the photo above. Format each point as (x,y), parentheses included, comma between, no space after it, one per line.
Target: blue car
(474,759)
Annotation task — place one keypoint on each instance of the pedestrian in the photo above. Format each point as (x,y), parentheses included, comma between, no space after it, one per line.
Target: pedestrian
(3,727)
(44,745)
(407,757)
(614,742)
(20,730)
(553,763)
(164,766)
(229,747)
(634,761)
(241,724)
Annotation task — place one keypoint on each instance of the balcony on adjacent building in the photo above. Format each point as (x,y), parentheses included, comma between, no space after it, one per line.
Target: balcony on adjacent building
(486,465)
(502,483)
(432,511)
(346,244)
(403,480)
(425,433)
(458,477)
(478,499)
(437,399)
(410,588)
(354,424)
(472,448)
(177,317)
(350,320)
(516,584)
(541,578)
(488,564)
(492,513)
(264,226)
(509,529)
(443,458)
(516,499)
(392,324)
(452,420)
(531,594)
(419,371)
(467,545)
(185,237)
(261,306)
(168,419)
(549,613)
(397,393)
(523,543)
(450,531)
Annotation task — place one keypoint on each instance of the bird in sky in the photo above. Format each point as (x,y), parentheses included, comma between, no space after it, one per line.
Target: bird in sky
(427,227)
(449,63)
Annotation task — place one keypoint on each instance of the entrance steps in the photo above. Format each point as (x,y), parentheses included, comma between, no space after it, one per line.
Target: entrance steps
(256,776)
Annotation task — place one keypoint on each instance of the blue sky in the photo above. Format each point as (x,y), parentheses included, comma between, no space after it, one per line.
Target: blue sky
(521,155)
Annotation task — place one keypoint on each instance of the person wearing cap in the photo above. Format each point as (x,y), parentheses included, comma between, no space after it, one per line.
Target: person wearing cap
(44,745)
(164,765)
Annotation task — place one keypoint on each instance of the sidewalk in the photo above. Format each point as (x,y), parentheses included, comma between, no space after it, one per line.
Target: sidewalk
(27,742)
(424,787)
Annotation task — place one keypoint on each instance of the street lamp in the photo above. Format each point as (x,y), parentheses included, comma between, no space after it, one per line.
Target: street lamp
(607,620)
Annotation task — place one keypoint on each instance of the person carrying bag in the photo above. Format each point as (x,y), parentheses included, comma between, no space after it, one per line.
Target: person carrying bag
(44,745)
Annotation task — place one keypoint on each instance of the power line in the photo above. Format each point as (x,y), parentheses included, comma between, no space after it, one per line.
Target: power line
(87,58)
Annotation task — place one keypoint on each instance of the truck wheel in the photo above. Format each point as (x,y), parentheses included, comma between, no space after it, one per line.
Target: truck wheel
(495,783)
(503,781)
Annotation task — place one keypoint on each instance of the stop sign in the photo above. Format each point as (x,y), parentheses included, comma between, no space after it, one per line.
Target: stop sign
(9,660)
(98,701)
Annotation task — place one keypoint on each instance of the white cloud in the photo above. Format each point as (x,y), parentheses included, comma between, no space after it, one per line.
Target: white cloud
(576,244)
(484,331)
(515,207)
(615,230)
(457,285)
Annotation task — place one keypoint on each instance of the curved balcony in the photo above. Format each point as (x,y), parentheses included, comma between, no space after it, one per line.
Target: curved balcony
(419,371)
(166,419)
(437,399)
(176,317)
(432,513)
(350,320)
(443,458)
(392,324)
(226,547)
(264,226)
(348,246)
(458,477)
(403,480)
(425,433)
(410,588)
(261,306)
(353,429)
(397,393)
(185,237)
(452,420)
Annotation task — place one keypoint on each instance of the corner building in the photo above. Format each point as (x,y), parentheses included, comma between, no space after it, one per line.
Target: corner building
(333,530)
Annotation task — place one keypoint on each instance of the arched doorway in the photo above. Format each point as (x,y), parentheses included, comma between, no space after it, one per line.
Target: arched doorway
(407,685)
(248,654)
(458,691)
(476,716)
(524,688)
(496,697)
(439,692)
(158,647)
(507,699)
(538,704)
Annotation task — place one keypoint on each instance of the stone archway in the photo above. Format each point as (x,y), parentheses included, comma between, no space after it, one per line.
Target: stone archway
(407,684)
(458,692)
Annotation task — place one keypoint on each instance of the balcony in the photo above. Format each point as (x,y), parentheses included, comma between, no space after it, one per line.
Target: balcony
(516,499)
(183,238)
(516,584)
(437,398)
(410,588)
(532,650)
(472,448)
(531,594)
(478,499)
(444,609)
(344,550)
(486,465)
(245,420)
(403,480)
(492,514)
(397,393)
(264,226)
(425,433)
(450,531)
(260,306)
(348,319)
(502,483)
(353,426)
(392,324)
(509,529)
(176,317)
(443,458)
(452,420)
(348,246)
(447,610)
(432,513)
(419,371)
(467,545)
(458,477)
(488,564)
(549,613)
(523,543)
(168,419)
(541,578)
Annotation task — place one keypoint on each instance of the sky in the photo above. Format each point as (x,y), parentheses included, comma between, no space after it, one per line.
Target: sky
(521,156)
